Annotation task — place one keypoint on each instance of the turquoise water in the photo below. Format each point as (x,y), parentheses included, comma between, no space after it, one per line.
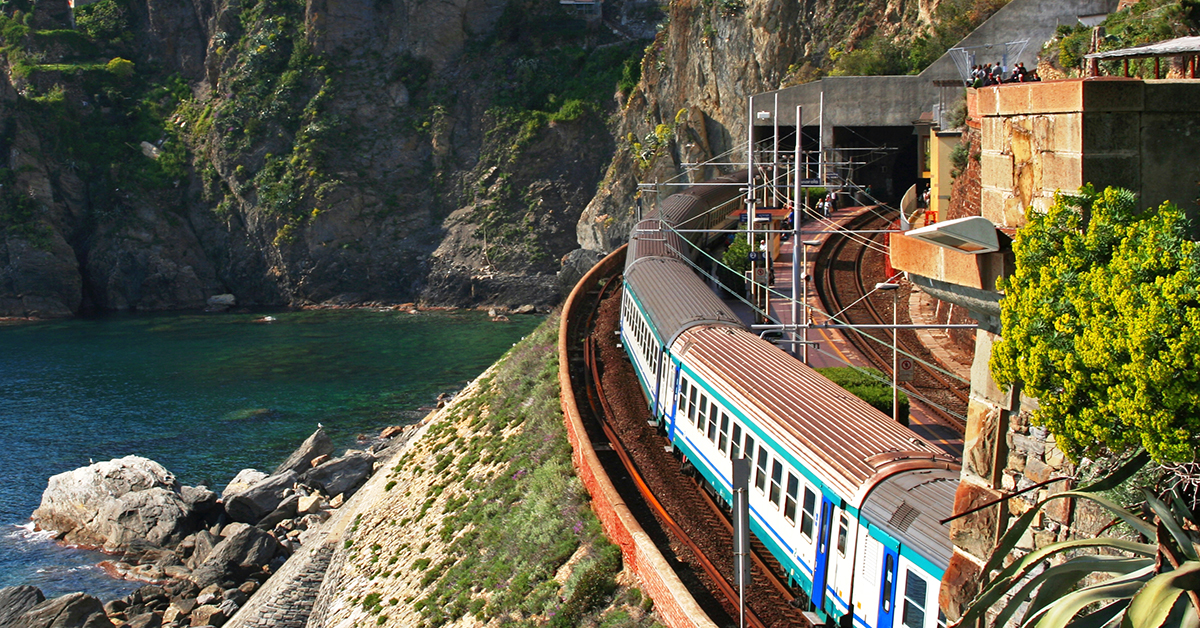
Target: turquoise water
(207,395)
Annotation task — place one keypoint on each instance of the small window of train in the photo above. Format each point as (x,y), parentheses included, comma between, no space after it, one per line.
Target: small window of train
(810,510)
(889,570)
(789,502)
(712,422)
(735,447)
(760,476)
(914,600)
(723,444)
(843,531)
(691,410)
(701,412)
(776,481)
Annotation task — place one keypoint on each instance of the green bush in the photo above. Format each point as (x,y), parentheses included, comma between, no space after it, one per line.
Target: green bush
(870,385)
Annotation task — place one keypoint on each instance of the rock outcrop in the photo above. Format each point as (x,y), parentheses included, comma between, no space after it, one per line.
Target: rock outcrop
(73,610)
(117,504)
(15,601)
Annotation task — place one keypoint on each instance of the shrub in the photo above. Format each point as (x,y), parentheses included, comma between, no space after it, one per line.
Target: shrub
(870,385)
(120,68)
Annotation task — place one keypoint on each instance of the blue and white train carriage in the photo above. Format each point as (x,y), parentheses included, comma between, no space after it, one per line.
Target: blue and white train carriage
(846,499)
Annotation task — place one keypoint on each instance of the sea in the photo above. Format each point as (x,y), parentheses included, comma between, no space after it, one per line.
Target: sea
(207,395)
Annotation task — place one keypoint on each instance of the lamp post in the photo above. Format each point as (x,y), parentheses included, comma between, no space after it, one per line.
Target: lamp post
(892,287)
(797,274)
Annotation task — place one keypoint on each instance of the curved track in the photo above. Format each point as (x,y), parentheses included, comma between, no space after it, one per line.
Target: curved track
(842,264)
(683,518)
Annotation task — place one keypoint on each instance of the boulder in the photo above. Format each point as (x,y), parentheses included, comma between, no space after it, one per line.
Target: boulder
(15,601)
(254,503)
(284,511)
(308,504)
(199,498)
(73,610)
(340,475)
(390,431)
(204,542)
(319,444)
(87,506)
(242,481)
(145,620)
(243,553)
(208,615)
(222,300)
(155,515)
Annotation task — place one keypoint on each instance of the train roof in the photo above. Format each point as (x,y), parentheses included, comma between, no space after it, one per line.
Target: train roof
(852,446)
(910,504)
(655,282)
(650,239)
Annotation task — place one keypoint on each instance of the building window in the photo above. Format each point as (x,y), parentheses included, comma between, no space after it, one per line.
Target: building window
(776,481)
(914,600)
(789,502)
(760,475)
(810,510)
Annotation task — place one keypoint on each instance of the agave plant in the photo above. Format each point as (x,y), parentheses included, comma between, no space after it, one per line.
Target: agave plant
(1154,580)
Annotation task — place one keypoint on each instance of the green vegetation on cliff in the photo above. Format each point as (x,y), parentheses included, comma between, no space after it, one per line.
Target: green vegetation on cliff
(1141,23)
(1101,324)
(496,526)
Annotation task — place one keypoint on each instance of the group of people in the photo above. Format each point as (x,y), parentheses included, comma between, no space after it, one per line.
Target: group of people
(989,74)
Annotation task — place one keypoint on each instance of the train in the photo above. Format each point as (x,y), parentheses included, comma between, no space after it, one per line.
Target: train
(849,502)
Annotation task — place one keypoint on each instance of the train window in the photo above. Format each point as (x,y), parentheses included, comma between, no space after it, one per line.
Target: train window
(914,600)
(843,531)
(712,422)
(691,410)
(789,502)
(701,412)
(723,443)
(749,449)
(760,476)
(889,568)
(735,448)
(810,512)
(776,480)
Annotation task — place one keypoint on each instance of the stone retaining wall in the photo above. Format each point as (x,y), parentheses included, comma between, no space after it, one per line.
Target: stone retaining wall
(672,601)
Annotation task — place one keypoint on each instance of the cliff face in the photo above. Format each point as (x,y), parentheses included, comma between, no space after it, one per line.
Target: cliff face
(346,151)
(334,152)
(708,58)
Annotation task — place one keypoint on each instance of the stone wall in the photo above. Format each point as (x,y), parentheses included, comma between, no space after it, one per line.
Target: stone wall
(1037,139)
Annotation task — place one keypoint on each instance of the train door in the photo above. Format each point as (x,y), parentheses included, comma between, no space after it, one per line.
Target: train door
(656,370)
(887,589)
(673,406)
(820,567)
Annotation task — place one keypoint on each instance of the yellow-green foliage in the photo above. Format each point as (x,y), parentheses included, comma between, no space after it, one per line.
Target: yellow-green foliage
(1102,324)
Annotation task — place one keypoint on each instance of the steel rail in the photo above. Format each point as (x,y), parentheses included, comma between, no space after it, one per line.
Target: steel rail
(828,293)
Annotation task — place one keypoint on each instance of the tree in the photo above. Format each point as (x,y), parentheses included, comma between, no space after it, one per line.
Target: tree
(1101,322)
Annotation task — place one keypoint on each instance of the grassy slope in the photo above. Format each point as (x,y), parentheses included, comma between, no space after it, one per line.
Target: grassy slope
(483,521)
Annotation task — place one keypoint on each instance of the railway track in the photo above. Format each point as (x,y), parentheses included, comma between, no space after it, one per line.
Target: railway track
(845,257)
(689,523)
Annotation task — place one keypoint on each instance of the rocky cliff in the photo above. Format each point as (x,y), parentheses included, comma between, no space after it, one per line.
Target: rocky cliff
(158,152)
(338,152)
(708,57)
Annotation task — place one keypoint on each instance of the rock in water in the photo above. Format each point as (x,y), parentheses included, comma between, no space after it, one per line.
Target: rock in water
(87,505)
(318,444)
(15,601)
(340,474)
(74,610)
(260,499)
